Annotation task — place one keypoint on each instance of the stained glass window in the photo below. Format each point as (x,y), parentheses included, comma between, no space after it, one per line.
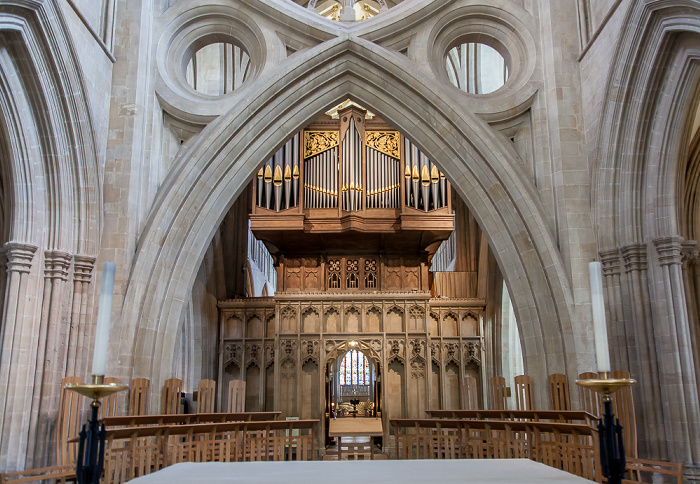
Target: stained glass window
(354,369)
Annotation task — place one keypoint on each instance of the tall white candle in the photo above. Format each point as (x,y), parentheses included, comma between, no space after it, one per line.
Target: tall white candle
(598,306)
(99,358)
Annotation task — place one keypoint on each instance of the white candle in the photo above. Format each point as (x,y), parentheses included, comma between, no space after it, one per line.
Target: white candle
(598,306)
(99,359)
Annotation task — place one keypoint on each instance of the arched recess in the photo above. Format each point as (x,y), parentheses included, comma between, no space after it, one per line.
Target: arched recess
(220,163)
(638,192)
(52,221)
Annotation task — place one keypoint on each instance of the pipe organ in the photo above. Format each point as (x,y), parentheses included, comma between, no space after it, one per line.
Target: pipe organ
(356,174)
(352,212)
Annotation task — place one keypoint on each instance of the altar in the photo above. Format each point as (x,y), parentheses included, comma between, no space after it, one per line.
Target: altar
(487,471)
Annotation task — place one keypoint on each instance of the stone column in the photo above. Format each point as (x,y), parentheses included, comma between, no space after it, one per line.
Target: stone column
(53,352)
(689,255)
(81,325)
(16,365)
(673,342)
(621,338)
(647,391)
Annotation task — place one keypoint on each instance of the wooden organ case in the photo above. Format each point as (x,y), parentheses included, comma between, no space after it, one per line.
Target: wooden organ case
(352,213)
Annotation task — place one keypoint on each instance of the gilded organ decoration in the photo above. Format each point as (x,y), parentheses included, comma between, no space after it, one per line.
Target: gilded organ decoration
(387,142)
(316,142)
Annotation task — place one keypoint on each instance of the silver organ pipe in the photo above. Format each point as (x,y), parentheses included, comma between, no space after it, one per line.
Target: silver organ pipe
(426,186)
(278,179)
(295,169)
(352,169)
(321,179)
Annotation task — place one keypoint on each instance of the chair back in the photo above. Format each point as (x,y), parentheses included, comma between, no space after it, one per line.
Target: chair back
(205,396)
(497,386)
(138,396)
(69,423)
(559,392)
(236,396)
(623,406)
(523,392)
(172,391)
(589,399)
(110,404)
(470,393)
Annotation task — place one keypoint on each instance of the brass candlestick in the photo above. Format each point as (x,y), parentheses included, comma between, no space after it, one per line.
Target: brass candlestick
(91,449)
(612,447)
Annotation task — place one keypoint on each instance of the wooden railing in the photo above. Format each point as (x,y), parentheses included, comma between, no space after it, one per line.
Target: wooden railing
(135,451)
(567,446)
(145,420)
(570,416)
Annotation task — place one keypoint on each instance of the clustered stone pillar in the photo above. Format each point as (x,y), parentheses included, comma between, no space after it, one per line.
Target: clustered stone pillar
(646,370)
(16,365)
(674,348)
(81,327)
(53,345)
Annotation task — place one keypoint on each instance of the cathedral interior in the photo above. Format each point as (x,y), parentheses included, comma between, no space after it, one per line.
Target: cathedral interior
(349,208)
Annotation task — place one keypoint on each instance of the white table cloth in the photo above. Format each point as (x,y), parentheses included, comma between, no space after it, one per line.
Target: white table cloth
(491,471)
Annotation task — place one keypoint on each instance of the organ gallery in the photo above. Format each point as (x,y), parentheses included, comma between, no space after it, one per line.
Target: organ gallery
(353,214)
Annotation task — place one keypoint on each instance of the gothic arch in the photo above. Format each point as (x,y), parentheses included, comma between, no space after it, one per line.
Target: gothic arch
(645,141)
(36,34)
(188,209)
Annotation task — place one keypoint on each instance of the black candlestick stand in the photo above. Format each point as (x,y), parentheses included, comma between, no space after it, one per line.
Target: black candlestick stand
(91,449)
(612,447)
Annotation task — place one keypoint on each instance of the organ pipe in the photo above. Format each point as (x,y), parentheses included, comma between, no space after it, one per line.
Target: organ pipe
(376,185)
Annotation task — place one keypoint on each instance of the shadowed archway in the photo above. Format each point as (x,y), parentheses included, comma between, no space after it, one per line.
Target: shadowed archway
(214,170)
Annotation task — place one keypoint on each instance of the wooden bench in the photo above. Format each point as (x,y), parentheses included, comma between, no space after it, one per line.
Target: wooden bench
(567,446)
(135,451)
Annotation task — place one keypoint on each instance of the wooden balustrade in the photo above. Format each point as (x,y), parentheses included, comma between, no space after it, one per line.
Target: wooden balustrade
(145,420)
(571,416)
(135,451)
(567,446)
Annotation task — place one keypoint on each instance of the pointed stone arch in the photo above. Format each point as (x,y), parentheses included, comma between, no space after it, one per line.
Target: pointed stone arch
(637,193)
(219,164)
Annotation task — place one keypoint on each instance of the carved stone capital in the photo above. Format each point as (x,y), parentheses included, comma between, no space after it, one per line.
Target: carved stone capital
(83,265)
(57,264)
(19,256)
(689,252)
(610,261)
(669,249)
(635,257)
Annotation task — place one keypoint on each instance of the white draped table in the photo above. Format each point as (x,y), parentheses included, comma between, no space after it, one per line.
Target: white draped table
(491,471)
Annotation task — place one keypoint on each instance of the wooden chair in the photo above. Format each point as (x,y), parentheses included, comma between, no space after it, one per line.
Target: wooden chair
(67,428)
(110,405)
(138,396)
(172,391)
(470,393)
(559,392)
(497,386)
(236,396)
(523,392)
(205,396)
(590,401)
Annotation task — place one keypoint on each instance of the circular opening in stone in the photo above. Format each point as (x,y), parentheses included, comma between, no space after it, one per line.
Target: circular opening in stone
(476,68)
(217,69)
